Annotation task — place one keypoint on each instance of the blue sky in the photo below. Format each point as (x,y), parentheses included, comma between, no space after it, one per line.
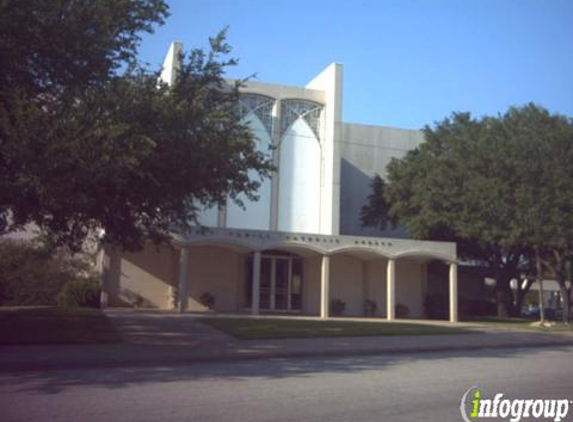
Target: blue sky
(407,63)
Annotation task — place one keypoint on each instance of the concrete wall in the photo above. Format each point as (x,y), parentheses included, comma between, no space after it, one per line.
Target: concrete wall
(256,214)
(218,271)
(375,272)
(330,81)
(301,189)
(299,196)
(347,283)
(410,286)
(364,151)
(147,278)
(139,279)
(354,281)
(299,180)
(311,286)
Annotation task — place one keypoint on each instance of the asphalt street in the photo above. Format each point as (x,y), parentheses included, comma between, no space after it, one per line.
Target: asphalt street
(415,387)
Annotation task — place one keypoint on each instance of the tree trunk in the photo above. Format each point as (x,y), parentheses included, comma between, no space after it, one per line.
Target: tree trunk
(565,295)
(504,297)
(539,276)
(570,291)
(566,302)
(521,292)
(503,310)
(559,269)
(570,298)
(503,294)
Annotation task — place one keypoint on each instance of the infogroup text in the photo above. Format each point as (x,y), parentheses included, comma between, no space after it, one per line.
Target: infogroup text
(474,406)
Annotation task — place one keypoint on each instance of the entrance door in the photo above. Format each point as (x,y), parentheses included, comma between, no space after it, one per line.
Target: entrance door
(281,283)
(266,288)
(280,288)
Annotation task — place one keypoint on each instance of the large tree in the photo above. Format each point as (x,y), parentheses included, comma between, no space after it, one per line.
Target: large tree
(545,196)
(466,184)
(89,141)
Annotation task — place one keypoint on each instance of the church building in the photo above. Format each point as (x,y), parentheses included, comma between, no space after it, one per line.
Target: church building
(300,249)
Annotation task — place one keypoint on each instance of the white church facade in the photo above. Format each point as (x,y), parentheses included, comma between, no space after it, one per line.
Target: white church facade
(301,245)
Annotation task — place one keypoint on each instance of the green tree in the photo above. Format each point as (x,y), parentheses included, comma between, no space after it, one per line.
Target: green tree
(545,196)
(466,184)
(90,142)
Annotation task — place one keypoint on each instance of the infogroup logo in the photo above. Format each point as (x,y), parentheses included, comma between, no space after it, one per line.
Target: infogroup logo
(474,406)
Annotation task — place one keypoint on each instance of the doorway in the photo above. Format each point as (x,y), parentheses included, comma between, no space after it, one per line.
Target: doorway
(281,283)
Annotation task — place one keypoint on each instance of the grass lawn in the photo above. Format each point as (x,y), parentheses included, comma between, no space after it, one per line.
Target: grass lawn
(46,325)
(520,324)
(258,329)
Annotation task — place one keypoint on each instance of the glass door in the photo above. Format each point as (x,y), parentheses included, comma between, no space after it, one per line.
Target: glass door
(281,283)
(265,297)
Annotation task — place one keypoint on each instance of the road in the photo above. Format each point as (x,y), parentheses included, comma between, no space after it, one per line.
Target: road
(417,387)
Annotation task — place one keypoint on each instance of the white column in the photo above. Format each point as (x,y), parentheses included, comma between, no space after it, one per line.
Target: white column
(453,292)
(183,268)
(391,290)
(255,300)
(324,286)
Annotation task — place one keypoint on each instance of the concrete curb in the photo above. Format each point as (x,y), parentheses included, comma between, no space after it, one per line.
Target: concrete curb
(163,360)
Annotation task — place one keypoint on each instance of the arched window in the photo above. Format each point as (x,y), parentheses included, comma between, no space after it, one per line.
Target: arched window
(256,110)
(310,112)
(261,106)
(299,189)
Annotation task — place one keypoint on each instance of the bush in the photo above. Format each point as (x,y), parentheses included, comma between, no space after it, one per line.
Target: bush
(402,311)
(80,293)
(370,307)
(337,307)
(31,274)
(207,300)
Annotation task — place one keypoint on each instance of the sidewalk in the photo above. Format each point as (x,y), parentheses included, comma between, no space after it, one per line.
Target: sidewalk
(165,338)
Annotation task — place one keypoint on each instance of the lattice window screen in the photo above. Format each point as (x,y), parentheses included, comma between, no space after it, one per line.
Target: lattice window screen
(260,105)
(291,110)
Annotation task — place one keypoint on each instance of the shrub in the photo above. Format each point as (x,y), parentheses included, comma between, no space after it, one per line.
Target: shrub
(337,307)
(207,300)
(402,311)
(370,307)
(80,293)
(31,274)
